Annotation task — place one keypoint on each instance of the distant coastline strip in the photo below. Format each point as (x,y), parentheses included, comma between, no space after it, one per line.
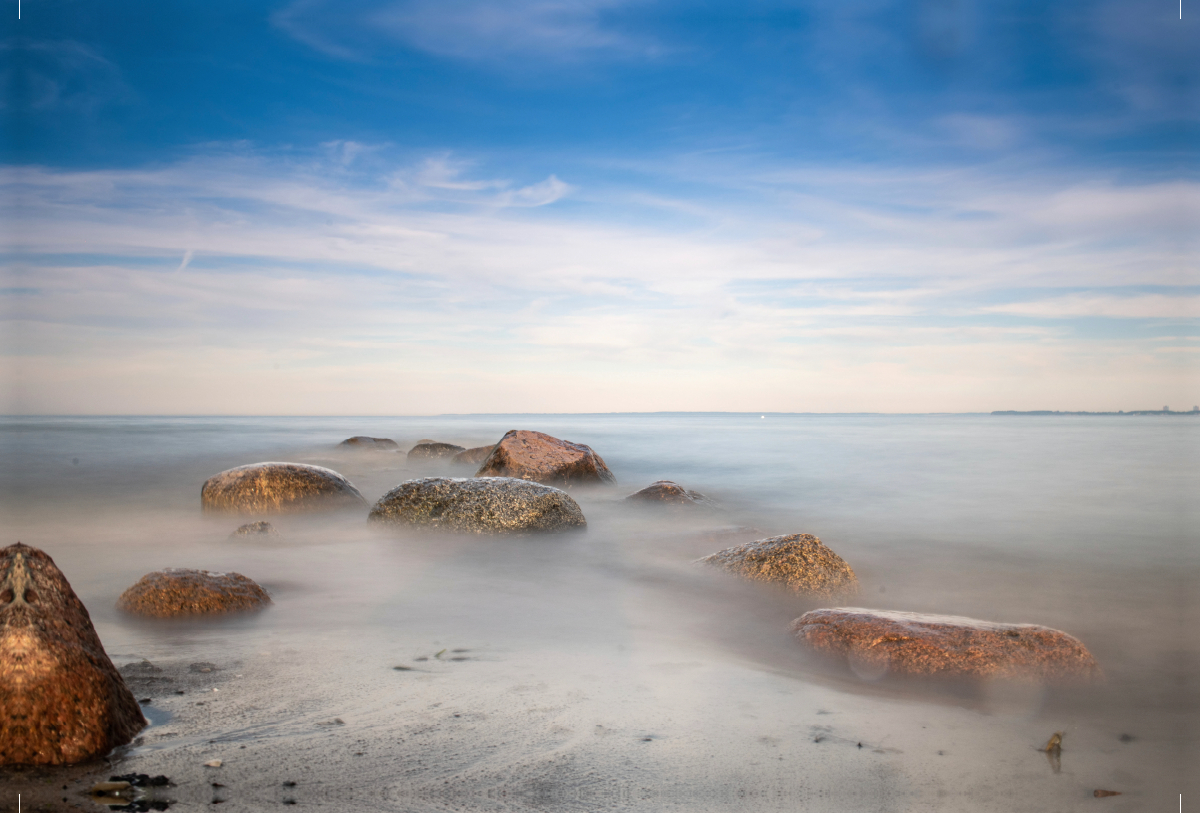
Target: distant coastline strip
(1163,411)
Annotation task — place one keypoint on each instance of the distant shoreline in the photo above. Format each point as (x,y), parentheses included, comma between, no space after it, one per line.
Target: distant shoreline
(1132,412)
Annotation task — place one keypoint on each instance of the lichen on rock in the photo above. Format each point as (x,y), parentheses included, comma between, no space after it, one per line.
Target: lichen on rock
(479,505)
(801,562)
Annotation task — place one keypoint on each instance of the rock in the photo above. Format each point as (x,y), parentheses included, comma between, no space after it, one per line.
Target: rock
(261,528)
(799,561)
(371,444)
(275,488)
(916,644)
(474,456)
(178,591)
(432,450)
(61,698)
(479,505)
(670,493)
(537,456)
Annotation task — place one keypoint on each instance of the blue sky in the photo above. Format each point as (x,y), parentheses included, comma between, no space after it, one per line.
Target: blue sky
(408,206)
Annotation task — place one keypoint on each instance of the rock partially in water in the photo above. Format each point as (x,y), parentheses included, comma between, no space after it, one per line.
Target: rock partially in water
(475,456)
(669,493)
(179,592)
(433,450)
(479,505)
(371,444)
(260,528)
(275,488)
(537,456)
(61,698)
(878,641)
(798,561)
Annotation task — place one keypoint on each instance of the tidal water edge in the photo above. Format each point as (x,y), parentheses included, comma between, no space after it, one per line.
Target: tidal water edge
(418,671)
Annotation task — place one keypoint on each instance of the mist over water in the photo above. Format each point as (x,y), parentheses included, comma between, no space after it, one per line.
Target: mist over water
(605,667)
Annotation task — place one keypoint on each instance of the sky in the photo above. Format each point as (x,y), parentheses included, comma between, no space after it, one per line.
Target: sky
(398,207)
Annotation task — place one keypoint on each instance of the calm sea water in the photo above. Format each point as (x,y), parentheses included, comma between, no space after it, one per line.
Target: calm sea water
(1085,524)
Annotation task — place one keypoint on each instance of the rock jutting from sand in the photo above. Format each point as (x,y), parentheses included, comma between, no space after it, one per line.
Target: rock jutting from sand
(433,450)
(668,492)
(179,591)
(537,456)
(260,528)
(61,699)
(879,641)
(479,505)
(798,561)
(275,488)
(475,456)
(371,444)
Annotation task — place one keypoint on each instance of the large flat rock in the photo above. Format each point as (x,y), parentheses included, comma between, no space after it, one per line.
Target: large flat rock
(276,488)
(800,562)
(61,699)
(880,641)
(479,505)
(537,456)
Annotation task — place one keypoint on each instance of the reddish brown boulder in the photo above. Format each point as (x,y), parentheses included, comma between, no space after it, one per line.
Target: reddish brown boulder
(475,456)
(878,641)
(61,699)
(177,591)
(275,488)
(800,562)
(669,493)
(433,450)
(537,456)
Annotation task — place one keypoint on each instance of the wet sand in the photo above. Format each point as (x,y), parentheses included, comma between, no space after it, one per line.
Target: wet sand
(601,670)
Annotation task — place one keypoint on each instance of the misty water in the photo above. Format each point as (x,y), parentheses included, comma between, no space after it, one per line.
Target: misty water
(607,669)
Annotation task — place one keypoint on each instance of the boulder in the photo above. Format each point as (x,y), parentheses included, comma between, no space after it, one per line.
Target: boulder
(61,699)
(537,456)
(178,591)
(479,505)
(432,450)
(475,456)
(669,493)
(798,561)
(371,444)
(877,642)
(275,488)
(261,528)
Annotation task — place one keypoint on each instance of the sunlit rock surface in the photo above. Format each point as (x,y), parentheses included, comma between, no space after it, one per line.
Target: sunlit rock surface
(179,591)
(878,641)
(801,562)
(61,699)
(275,488)
(537,456)
(479,505)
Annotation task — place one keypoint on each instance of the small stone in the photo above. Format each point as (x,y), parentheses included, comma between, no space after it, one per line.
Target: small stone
(799,561)
(213,763)
(880,641)
(669,493)
(1100,794)
(475,456)
(479,505)
(537,456)
(261,528)
(179,591)
(370,444)
(274,488)
(434,451)
(61,699)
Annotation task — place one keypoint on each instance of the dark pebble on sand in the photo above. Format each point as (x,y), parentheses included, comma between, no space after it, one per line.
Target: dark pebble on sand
(403,668)
(1126,738)
(179,691)
(145,701)
(142,780)
(289,784)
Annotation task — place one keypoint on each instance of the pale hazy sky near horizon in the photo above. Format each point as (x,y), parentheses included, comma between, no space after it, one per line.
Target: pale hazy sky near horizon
(425,206)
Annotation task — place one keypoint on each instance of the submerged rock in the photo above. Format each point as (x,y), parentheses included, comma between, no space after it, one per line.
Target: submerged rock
(537,456)
(432,450)
(260,528)
(799,561)
(178,591)
(376,444)
(475,456)
(479,505)
(878,641)
(61,698)
(274,488)
(670,493)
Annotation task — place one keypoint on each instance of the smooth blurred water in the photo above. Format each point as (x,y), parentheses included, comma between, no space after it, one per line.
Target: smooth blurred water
(1083,523)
